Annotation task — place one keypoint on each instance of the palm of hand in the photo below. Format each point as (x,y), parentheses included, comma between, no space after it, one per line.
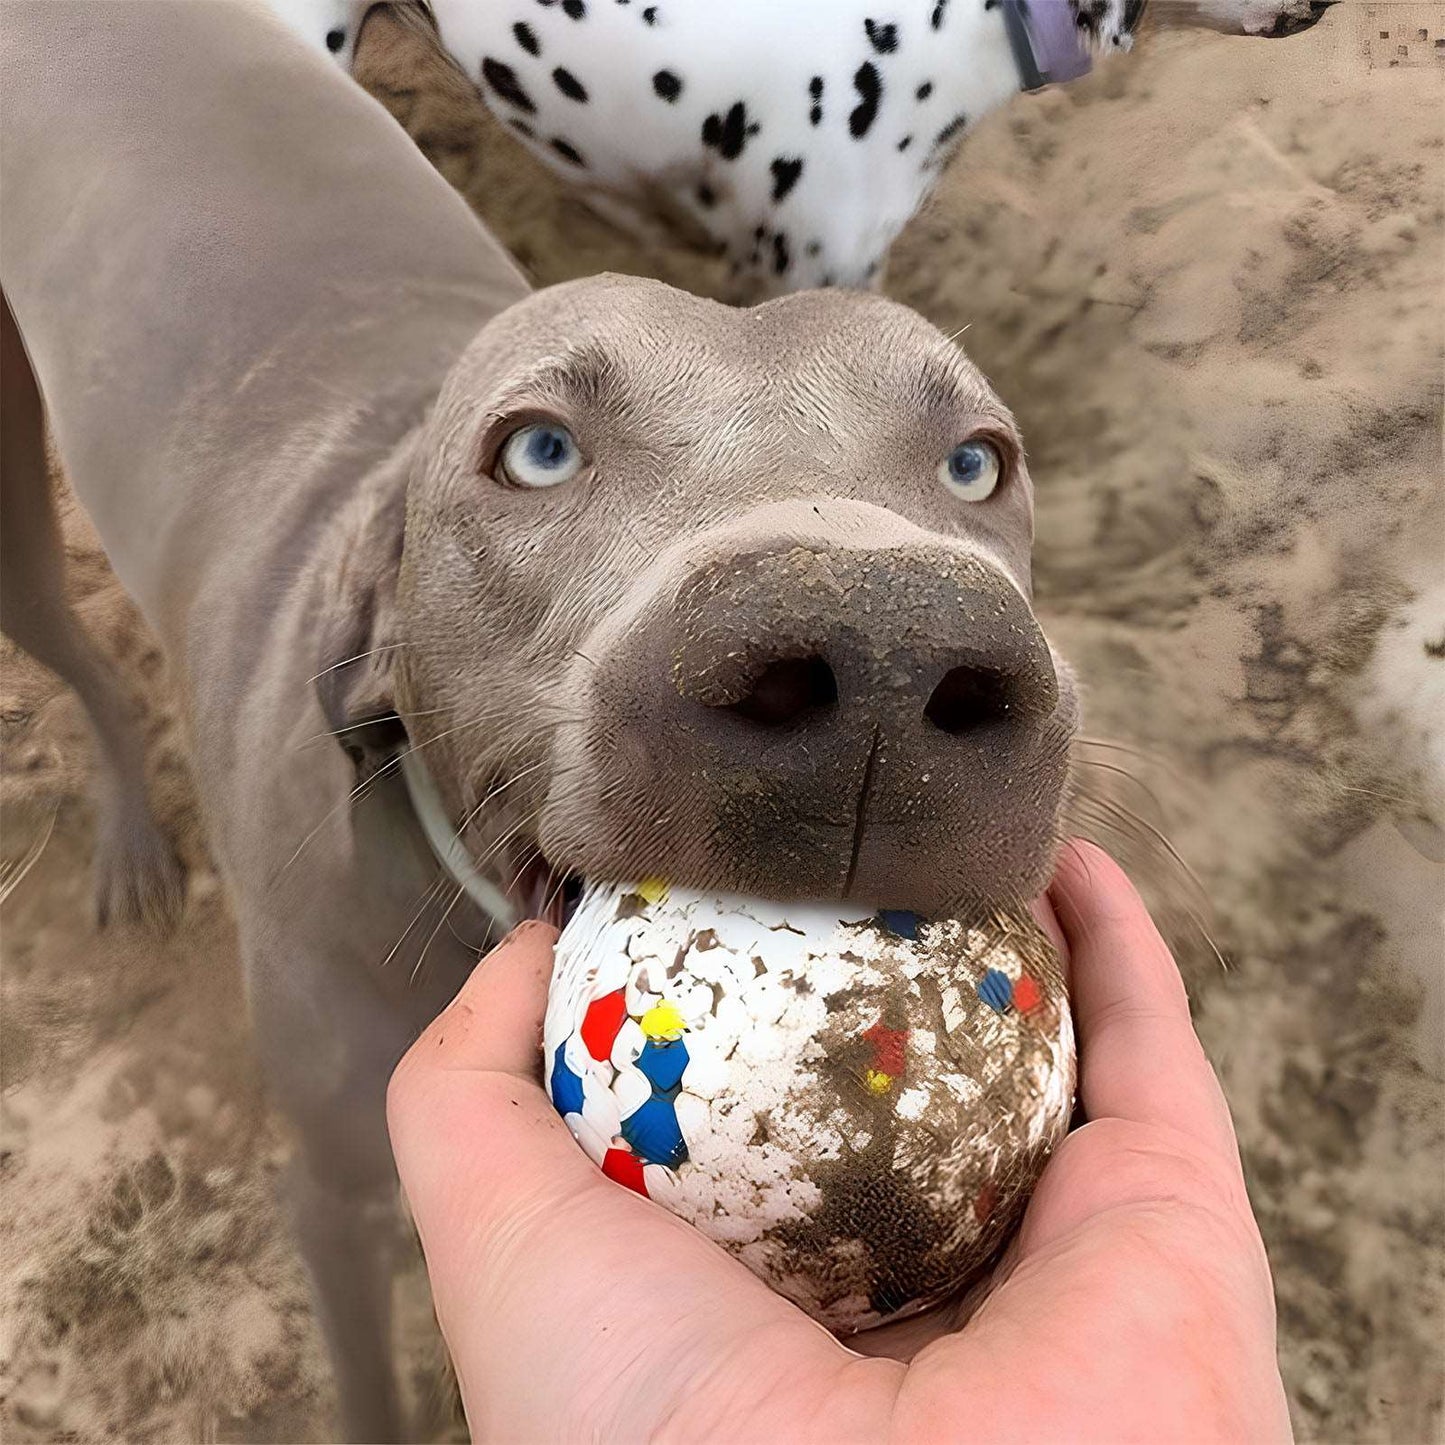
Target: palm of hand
(1134,1304)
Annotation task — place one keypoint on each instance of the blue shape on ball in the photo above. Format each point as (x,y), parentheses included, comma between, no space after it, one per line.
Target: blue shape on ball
(663,1063)
(995,990)
(899,922)
(653,1133)
(566,1086)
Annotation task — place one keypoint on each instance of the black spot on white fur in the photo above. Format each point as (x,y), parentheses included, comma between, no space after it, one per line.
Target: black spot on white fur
(567,151)
(574,9)
(924,90)
(939,151)
(936,19)
(883,38)
(781,259)
(527,38)
(728,133)
(503,79)
(666,83)
(950,130)
(786,170)
(815,89)
(869,85)
(335,39)
(569,85)
(649,16)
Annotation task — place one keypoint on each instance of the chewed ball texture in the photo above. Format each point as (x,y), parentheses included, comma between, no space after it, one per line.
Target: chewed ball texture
(854,1104)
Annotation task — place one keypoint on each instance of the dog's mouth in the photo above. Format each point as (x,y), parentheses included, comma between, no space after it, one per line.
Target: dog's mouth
(540,889)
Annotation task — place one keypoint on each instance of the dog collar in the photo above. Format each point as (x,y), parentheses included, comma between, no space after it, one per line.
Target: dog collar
(1047,44)
(450,851)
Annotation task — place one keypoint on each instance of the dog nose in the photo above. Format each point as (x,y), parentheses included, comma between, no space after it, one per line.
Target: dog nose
(925,642)
(830,719)
(789,689)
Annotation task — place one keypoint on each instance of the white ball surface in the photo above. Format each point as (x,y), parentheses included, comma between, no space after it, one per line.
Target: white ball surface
(856,1105)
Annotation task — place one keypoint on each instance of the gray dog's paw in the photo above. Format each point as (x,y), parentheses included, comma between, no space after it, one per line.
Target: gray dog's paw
(139,878)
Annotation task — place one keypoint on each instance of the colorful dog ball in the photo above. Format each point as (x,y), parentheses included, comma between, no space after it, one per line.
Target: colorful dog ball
(855,1104)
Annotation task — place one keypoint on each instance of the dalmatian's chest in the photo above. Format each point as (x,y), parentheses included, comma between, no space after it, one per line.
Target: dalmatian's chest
(797,137)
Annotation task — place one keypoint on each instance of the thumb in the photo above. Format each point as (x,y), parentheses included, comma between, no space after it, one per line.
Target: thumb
(571,1306)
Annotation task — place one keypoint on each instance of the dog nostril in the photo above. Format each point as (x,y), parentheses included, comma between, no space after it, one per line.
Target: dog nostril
(787,689)
(969,697)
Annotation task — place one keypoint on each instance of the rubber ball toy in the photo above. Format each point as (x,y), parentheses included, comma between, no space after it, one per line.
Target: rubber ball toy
(854,1103)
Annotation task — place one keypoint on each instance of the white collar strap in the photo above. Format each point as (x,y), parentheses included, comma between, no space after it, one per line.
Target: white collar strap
(450,851)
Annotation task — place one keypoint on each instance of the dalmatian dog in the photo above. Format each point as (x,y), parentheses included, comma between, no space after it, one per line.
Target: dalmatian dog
(797,137)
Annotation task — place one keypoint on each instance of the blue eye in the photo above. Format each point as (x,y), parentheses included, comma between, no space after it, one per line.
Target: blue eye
(544,454)
(971,470)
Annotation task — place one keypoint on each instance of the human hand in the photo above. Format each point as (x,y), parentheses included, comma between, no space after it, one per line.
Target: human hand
(1135,1303)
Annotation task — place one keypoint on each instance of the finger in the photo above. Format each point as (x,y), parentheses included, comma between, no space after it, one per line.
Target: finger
(466,1113)
(1043,914)
(1139,1057)
(494,1022)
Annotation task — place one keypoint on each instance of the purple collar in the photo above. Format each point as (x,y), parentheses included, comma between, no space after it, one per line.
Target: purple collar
(1047,43)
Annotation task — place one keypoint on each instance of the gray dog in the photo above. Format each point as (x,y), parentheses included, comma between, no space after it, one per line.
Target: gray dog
(630,579)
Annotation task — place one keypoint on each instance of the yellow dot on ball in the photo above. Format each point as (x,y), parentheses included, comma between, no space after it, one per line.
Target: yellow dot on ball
(878,1082)
(652,890)
(663,1021)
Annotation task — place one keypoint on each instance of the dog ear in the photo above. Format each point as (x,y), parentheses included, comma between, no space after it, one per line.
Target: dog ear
(358,643)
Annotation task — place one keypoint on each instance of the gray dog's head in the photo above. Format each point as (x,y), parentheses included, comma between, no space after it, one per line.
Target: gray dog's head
(739,597)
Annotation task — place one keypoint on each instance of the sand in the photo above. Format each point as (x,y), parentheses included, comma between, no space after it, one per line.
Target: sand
(1208,281)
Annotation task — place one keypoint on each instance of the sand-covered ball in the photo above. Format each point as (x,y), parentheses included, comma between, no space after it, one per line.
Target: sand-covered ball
(855,1104)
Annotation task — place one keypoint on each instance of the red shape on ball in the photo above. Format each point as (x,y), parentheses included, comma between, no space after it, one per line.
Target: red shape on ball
(890,1048)
(600,1024)
(625,1168)
(1027,995)
(984,1202)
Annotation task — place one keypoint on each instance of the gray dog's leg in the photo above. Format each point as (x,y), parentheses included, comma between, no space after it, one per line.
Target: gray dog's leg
(138,877)
(348,1235)
(342,1196)
(330,1034)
